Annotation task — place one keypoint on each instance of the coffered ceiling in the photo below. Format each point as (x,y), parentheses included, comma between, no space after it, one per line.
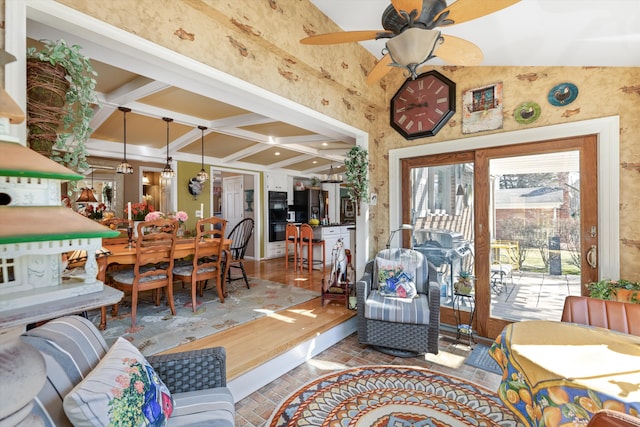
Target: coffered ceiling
(246,135)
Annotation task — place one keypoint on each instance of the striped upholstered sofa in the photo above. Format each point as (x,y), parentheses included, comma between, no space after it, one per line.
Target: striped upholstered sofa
(398,324)
(73,347)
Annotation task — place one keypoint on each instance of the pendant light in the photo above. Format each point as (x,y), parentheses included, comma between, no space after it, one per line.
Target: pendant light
(167,172)
(332,178)
(202,175)
(124,166)
(87,193)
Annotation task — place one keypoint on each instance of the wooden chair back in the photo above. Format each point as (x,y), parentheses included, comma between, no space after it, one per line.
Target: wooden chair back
(155,246)
(209,248)
(118,224)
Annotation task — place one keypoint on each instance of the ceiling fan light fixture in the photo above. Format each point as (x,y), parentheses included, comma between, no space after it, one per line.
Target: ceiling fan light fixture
(167,172)
(412,48)
(202,175)
(124,166)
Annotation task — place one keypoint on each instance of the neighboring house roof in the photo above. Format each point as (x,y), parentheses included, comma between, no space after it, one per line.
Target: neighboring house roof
(530,198)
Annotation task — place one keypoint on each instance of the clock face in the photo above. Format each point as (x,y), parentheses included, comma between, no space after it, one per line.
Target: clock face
(422,106)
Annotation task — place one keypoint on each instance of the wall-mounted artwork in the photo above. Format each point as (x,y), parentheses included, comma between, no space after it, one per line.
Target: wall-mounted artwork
(482,108)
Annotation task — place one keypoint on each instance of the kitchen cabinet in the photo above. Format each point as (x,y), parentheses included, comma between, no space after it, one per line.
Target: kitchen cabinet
(331,235)
(275,249)
(276,182)
(290,190)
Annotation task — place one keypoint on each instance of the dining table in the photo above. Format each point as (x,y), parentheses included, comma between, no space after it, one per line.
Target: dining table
(561,373)
(123,253)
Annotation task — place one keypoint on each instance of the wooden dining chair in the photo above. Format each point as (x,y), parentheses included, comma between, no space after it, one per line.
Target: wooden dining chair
(208,259)
(308,241)
(118,224)
(291,238)
(153,269)
(240,236)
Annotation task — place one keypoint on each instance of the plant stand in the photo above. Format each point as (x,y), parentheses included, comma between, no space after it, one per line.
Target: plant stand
(461,301)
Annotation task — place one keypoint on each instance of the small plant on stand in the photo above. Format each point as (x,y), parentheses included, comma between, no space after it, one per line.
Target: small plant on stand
(464,284)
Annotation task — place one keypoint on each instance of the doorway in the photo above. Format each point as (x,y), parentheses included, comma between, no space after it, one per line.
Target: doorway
(463,224)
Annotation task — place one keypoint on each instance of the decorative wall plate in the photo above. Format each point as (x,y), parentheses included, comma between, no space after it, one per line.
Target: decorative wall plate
(563,94)
(527,112)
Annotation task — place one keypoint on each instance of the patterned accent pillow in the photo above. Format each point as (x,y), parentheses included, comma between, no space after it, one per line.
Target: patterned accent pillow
(123,390)
(396,278)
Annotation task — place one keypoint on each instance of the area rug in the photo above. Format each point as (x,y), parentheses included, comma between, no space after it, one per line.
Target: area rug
(479,358)
(157,330)
(394,396)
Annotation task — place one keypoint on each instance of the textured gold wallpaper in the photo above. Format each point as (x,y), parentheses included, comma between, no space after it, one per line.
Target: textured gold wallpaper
(257,41)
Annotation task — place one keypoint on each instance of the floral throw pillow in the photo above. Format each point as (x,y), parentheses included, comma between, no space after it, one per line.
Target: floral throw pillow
(123,390)
(396,278)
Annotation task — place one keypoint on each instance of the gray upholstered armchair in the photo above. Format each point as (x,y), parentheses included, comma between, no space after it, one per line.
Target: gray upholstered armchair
(399,324)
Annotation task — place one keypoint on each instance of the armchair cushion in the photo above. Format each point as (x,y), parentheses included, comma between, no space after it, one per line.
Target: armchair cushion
(399,310)
(122,390)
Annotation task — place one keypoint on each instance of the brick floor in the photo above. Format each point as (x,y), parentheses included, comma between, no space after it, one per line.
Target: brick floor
(255,409)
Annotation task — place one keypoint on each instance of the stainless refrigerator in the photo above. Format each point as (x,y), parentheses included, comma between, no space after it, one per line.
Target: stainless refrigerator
(309,202)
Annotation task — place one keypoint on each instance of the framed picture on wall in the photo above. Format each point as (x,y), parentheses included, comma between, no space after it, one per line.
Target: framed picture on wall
(482,108)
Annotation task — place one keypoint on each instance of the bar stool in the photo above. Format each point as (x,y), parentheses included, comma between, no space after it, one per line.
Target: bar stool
(291,237)
(307,240)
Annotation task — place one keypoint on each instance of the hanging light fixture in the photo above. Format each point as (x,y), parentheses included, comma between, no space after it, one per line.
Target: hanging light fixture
(202,175)
(124,166)
(167,172)
(87,193)
(332,178)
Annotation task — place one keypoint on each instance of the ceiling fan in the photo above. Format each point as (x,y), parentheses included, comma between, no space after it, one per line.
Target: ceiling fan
(410,26)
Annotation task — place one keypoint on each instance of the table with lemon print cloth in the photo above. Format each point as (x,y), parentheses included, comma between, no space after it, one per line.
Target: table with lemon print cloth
(560,374)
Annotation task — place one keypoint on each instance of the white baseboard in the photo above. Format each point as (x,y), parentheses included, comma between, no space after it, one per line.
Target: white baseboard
(246,384)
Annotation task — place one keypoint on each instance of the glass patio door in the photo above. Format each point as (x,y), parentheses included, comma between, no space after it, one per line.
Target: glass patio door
(520,219)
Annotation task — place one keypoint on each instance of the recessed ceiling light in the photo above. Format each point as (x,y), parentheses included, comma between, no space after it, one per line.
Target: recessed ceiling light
(314,162)
(277,153)
(324,144)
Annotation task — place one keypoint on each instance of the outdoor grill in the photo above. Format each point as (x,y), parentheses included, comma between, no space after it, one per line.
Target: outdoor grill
(446,250)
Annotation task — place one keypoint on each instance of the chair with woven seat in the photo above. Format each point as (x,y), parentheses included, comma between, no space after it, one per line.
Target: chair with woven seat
(208,258)
(240,236)
(155,246)
(309,242)
(398,303)
(291,238)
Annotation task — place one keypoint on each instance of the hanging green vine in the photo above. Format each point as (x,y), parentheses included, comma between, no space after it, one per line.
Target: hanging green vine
(357,168)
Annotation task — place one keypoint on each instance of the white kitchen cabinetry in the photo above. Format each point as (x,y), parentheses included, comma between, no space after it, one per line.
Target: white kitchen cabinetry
(276,181)
(331,235)
(275,249)
(289,190)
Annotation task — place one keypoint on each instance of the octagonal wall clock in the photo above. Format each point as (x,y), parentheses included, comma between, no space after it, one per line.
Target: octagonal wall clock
(422,106)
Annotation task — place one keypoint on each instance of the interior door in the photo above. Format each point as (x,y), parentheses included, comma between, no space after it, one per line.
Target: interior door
(489,210)
(233,206)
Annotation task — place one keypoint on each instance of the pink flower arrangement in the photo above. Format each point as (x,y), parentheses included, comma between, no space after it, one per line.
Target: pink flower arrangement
(152,216)
(181,216)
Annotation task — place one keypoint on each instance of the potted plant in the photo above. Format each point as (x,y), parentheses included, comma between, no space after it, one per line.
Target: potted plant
(615,290)
(357,168)
(464,284)
(60,99)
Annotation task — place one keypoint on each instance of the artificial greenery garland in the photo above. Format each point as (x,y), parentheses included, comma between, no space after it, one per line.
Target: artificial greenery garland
(357,168)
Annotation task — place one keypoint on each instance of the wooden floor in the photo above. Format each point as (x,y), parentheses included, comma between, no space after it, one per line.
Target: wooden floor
(254,343)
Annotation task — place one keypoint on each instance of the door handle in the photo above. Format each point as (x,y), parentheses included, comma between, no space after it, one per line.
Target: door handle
(592,256)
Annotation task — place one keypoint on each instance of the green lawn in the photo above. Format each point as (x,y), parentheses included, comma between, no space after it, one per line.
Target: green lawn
(534,263)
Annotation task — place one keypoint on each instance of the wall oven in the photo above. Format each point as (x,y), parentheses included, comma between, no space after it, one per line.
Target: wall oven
(278,210)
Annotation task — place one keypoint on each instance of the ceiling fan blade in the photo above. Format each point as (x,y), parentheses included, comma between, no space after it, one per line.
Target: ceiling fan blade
(343,37)
(466,10)
(407,6)
(457,51)
(380,69)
